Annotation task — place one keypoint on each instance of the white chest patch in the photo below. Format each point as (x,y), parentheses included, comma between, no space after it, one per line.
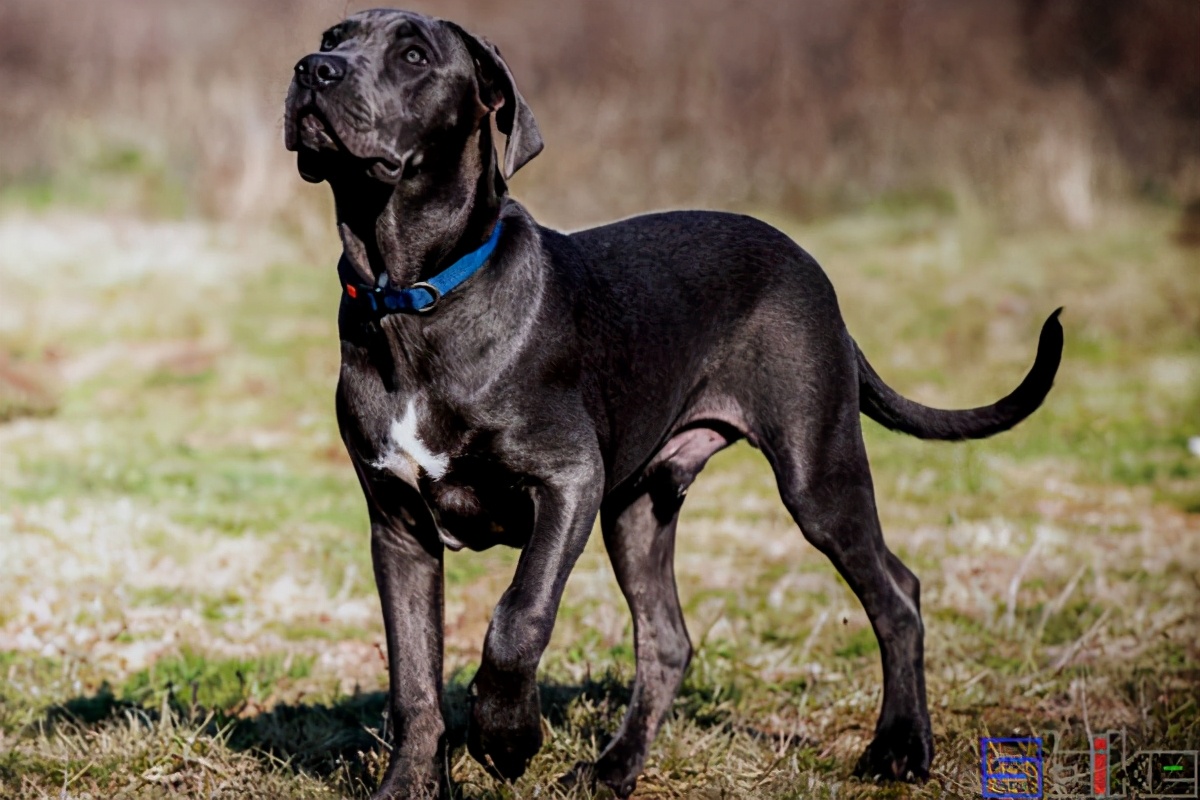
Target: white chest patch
(406,452)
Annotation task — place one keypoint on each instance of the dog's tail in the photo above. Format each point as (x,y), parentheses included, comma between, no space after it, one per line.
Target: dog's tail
(884,405)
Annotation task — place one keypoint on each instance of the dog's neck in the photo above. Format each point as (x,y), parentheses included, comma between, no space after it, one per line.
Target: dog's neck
(439,210)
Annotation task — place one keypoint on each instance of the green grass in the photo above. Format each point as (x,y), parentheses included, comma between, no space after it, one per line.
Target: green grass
(223,683)
(186,596)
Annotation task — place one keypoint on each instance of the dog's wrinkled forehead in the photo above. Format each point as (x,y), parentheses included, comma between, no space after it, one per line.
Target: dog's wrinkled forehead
(378,31)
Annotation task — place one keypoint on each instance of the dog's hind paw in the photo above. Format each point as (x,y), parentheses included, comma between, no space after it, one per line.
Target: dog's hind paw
(417,786)
(903,751)
(582,774)
(590,775)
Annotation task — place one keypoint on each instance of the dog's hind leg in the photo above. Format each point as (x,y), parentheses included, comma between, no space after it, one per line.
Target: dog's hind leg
(642,548)
(639,533)
(825,482)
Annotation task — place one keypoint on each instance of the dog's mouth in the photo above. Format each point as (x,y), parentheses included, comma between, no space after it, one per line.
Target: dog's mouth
(315,142)
(315,132)
(321,152)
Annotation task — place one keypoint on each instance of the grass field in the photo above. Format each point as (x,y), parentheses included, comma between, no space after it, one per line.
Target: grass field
(186,599)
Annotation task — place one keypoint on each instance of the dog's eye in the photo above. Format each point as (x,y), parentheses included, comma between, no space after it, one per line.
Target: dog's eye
(415,55)
(329,41)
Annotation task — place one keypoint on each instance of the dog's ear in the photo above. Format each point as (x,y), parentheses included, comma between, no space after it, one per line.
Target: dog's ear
(498,91)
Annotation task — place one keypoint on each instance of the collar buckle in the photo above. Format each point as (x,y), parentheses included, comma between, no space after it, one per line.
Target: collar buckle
(434,292)
(383,299)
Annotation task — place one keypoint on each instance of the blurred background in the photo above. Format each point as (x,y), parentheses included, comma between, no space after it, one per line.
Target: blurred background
(1037,110)
(186,595)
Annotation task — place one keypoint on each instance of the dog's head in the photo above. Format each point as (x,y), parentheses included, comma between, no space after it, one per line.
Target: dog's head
(387,89)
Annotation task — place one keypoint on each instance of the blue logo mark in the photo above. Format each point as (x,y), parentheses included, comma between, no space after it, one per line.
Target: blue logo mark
(1011,768)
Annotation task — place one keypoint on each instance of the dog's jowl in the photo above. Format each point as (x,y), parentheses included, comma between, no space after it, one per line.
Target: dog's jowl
(503,383)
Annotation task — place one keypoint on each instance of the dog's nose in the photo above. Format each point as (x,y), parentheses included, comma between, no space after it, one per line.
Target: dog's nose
(320,71)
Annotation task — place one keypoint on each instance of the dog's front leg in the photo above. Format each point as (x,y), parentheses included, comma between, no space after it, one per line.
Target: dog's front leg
(505,723)
(408,573)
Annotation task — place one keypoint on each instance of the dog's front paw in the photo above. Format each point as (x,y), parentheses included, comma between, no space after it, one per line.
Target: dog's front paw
(505,729)
(902,751)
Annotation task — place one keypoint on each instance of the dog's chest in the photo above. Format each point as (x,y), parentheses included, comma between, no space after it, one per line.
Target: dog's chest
(410,446)
(475,500)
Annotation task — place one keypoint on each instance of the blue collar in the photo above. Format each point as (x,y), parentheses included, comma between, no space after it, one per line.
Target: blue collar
(421,297)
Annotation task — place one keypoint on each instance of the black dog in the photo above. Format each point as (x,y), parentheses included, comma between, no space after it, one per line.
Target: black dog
(576,375)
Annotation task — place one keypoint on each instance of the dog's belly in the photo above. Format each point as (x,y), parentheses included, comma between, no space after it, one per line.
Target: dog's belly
(478,511)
